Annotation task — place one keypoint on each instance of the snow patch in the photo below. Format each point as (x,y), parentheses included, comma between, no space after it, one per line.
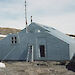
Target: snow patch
(2,65)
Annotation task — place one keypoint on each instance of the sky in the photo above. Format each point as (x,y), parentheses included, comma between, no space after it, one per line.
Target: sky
(59,14)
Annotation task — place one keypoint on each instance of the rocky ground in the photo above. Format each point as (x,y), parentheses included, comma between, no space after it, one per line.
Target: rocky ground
(37,68)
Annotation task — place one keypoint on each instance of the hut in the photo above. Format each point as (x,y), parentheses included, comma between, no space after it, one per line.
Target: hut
(38,43)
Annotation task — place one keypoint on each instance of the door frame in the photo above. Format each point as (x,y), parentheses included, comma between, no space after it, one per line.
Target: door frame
(38,43)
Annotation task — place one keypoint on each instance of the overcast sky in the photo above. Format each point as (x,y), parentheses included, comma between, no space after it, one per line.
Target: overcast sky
(59,14)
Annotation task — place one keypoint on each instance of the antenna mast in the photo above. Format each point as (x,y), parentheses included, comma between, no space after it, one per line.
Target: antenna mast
(26,15)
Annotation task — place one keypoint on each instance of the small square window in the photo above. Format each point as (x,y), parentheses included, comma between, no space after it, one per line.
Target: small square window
(14,40)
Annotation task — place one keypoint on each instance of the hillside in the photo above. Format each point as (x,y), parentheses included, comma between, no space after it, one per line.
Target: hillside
(5,31)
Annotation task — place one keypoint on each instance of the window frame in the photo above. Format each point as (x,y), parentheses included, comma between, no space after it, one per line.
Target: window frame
(13,39)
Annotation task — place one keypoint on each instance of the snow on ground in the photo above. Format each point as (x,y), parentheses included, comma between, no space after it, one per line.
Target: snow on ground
(2,65)
(3,35)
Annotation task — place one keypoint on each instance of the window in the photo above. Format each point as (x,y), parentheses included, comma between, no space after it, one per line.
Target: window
(42,50)
(14,40)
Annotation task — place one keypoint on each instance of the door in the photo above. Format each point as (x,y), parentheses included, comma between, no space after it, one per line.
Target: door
(41,48)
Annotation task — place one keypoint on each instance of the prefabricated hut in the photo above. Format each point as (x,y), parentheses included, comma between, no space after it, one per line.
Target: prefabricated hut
(38,43)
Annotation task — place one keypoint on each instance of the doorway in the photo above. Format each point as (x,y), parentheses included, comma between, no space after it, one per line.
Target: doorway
(42,50)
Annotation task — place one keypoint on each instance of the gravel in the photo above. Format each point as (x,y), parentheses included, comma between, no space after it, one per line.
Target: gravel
(36,68)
